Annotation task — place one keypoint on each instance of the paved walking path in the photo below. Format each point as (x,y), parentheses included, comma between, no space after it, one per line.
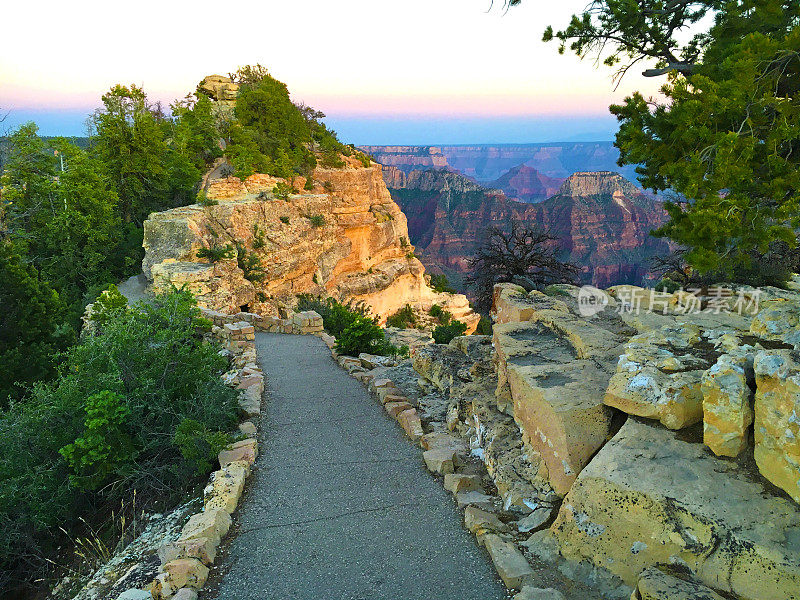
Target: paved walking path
(341,506)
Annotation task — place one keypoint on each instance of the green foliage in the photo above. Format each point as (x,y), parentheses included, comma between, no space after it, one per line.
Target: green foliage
(363,159)
(667,285)
(316,220)
(258,237)
(722,137)
(440,314)
(554,290)
(284,219)
(146,172)
(404,244)
(282,190)
(109,304)
(104,447)
(336,316)
(309,184)
(194,131)
(272,135)
(363,335)
(199,446)
(216,253)
(484,326)
(203,200)
(444,333)
(328,187)
(31,329)
(250,264)
(111,420)
(440,284)
(403,318)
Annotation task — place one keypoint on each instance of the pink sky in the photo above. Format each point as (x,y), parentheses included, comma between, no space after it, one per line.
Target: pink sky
(352,58)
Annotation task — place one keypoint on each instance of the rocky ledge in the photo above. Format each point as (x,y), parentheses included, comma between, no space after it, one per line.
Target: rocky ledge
(652,446)
(342,235)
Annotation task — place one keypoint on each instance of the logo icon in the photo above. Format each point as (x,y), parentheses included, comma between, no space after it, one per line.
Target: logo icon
(591,301)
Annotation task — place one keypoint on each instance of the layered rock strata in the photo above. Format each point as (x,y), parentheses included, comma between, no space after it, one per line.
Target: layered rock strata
(344,237)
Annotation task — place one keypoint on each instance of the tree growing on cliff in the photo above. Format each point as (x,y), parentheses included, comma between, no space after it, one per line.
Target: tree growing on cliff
(725,135)
(522,253)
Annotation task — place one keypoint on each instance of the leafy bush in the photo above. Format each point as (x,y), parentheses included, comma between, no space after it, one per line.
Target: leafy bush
(364,335)
(484,326)
(440,314)
(336,316)
(216,253)
(444,333)
(667,285)
(258,237)
(285,219)
(204,200)
(250,264)
(316,220)
(440,284)
(328,187)
(108,305)
(282,190)
(114,422)
(403,318)
(309,184)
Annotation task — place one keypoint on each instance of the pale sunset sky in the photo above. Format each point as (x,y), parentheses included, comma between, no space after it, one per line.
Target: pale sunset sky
(384,72)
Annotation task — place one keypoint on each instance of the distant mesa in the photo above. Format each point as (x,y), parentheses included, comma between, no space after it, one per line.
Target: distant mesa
(525,183)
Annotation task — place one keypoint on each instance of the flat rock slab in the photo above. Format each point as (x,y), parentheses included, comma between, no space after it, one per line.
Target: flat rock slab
(340,505)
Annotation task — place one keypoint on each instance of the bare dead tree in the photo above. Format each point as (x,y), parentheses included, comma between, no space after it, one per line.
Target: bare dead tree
(524,253)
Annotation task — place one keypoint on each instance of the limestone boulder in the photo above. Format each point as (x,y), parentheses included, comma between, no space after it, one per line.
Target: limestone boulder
(727,389)
(212,524)
(510,564)
(243,451)
(777,418)
(649,498)
(659,375)
(560,409)
(657,585)
(225,486)
(778,319)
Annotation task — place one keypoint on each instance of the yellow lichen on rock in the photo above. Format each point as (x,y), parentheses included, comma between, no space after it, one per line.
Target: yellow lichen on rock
(777,419)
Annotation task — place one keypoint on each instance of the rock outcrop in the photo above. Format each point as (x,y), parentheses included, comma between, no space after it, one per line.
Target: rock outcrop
(344,237)
(602,221)
(526,184)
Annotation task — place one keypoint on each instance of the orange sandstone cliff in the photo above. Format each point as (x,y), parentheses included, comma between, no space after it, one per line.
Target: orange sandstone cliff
(345,238)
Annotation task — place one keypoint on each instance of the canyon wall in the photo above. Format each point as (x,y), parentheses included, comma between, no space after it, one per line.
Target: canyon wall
(344,237)
(486,163)
(602,221)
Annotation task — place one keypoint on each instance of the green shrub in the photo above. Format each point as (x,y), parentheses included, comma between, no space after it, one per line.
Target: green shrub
(403,318)
(216,253)
(363,335)
(285,219)
(440,314)
(258,237)
(199,445)
(108,305)
(444,333)
(336,317)
(113,422)
(309,184)
(328,187)
(554,290)
(404,241)
(440,284)
(203,200)
(411,255)
(484,326)
(363,159)
(282,190)
(105,447)
(667,285)
(316,220)
(250,264)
